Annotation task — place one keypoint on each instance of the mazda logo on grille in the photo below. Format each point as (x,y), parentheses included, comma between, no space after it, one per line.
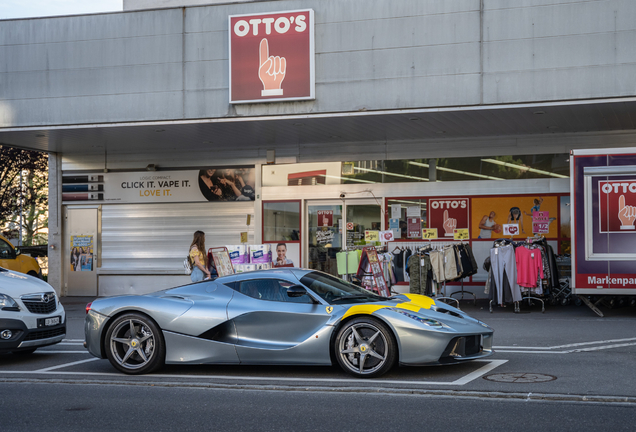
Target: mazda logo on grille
(45,298)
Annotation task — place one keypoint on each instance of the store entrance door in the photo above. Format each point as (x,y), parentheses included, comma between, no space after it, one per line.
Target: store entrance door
(80,252)
(332,224)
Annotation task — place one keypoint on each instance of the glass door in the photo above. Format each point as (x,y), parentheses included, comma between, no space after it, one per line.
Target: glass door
(332,224)
(324,239)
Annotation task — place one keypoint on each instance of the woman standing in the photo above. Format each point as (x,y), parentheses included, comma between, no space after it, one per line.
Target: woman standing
(197,257)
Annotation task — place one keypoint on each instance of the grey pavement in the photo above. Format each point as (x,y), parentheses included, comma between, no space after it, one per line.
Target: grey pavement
(575,354)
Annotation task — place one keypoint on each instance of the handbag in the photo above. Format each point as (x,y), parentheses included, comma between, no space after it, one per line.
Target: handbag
(187,265)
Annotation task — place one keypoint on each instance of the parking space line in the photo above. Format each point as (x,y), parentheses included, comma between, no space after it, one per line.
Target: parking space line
(492,364)
(566,346)
(65,365)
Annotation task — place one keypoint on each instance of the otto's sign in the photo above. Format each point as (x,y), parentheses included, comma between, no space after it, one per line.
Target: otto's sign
(272,56)
(447,215)
(617,205)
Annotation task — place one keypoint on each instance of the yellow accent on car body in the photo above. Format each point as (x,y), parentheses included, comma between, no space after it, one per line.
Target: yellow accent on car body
(363,309)
(420,300)
(415,303)
(12,260)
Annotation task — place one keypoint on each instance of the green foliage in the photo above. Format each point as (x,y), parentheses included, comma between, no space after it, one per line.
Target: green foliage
(33,195)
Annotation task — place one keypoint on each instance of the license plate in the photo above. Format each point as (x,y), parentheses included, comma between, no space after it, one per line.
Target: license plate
(51,321)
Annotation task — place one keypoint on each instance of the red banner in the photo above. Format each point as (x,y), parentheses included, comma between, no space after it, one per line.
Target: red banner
(448,214)
(272,56)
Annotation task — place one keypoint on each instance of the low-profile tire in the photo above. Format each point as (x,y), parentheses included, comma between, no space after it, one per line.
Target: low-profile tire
(24,352)
(364,347)
(134,344)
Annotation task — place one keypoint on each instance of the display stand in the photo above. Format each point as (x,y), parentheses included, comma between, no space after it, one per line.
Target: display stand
(222,261)
(371,255)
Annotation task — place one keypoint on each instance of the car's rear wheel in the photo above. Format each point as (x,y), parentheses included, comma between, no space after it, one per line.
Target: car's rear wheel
(134,344)
(365,348)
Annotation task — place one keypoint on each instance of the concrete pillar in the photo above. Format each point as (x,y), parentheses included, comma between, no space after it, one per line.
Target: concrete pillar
(56,222)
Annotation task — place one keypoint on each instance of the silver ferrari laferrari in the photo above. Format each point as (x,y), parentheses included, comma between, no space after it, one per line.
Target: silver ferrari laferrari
(285,316)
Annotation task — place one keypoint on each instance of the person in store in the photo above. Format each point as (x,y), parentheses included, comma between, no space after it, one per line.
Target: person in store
(487,225)
(198,258)
(516,217)
(210,190)
(281,256)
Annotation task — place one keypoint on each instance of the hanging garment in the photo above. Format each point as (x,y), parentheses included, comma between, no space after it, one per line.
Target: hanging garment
(450,265)
(419,266)
(407,254)
(504,271)
(529,265)
(437,265)
(398,263)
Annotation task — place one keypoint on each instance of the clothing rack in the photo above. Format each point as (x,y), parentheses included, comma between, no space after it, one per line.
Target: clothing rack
(440,246)
(529,297)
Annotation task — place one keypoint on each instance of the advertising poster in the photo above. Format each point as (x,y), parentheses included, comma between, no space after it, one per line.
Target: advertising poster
(206,184)
(82,253)
(414,227)
(325,218)
(272,56)
(286,255)
(604,214)
(448,214)
(489,215)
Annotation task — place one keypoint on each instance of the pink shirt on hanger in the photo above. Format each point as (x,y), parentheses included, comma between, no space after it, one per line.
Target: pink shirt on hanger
(529,265)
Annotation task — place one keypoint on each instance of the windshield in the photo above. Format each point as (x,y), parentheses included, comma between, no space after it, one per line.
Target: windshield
(337,291)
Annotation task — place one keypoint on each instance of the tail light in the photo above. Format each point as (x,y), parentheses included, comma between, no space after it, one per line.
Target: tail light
(88,306)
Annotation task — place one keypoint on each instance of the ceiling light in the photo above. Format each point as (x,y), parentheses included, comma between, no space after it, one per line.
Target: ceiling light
(390,174)
(457,171)
(523,168)
(346,178)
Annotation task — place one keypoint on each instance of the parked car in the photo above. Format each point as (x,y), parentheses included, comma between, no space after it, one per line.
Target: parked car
(281,317)
(31,315)
(12,259)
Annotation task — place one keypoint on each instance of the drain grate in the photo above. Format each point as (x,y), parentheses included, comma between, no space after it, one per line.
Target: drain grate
(520,377)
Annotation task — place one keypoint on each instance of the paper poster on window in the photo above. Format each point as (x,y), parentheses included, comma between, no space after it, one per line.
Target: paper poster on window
(490,214)
(325,218)
(82,253)
(286,255)
(448,214)
(414,227)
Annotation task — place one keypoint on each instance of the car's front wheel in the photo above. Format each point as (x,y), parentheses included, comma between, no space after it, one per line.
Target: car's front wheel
(365,347)
(134,344)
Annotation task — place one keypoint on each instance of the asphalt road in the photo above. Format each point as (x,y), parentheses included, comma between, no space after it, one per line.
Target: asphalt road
(559,370)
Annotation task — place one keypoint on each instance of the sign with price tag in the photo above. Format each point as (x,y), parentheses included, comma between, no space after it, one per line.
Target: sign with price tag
(460,234)
(540,222)
(429,233)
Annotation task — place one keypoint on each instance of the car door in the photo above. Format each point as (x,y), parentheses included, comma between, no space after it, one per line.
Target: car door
(8,256)
(273,328)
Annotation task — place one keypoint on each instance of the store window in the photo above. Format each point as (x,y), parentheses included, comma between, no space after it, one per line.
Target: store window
(419,170)
(281,221)
(407,217)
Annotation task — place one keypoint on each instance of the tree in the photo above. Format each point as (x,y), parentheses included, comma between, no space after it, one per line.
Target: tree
(32,193)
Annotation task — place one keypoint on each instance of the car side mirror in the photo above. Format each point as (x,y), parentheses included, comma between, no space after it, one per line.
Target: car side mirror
(17,251)
(296,291)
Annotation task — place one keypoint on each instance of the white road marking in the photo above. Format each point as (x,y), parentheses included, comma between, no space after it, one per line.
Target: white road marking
(65,365)
(492,364)
(568,345)
(549,350)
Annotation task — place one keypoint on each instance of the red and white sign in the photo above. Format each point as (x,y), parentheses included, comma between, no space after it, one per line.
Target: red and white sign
(447,215)
(349,226)
(325,218)
(386,236)
(510,229)
(541,222)
(617,205)
(272,57)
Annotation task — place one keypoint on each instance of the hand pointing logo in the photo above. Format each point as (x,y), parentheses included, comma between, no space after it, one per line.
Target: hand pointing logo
(271,71)
(626,214)
(449,224)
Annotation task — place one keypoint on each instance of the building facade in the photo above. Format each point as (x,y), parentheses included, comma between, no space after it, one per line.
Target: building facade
(436,114)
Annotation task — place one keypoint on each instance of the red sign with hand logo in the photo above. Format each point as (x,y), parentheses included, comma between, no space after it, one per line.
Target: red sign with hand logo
(448,214)
(617,205)
(272,57)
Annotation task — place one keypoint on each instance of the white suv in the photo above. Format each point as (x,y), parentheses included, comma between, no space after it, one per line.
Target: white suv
(31,315)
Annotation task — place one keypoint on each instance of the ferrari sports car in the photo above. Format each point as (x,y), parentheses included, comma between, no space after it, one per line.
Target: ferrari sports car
(285,316)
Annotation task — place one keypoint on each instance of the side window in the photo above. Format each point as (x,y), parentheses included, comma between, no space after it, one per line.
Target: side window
(6,251)
(271,290)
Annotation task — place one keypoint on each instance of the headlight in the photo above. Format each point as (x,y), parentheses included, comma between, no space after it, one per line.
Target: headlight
(426,321)
(7,302)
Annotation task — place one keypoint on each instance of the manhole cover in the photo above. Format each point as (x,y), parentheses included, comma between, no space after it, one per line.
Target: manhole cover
(520,377)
